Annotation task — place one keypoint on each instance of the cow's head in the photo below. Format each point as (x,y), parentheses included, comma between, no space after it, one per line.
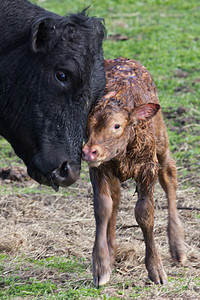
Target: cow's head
(51,79)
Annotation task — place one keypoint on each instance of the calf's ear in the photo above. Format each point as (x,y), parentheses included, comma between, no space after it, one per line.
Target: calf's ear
(42,34)
(145,112)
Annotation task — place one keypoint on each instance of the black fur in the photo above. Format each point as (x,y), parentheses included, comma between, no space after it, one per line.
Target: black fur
(44,119)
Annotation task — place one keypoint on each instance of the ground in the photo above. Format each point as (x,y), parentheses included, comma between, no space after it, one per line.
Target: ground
(40,230)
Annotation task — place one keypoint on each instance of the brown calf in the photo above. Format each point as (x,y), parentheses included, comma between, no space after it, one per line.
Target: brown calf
(127,138)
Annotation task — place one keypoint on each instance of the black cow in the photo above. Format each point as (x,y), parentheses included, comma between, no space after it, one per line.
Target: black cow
(51,71)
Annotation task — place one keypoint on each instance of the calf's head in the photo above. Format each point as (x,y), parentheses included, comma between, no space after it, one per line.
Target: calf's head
(109,129)
(48,81)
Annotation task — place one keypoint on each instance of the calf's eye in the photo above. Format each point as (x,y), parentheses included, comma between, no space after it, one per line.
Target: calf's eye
(61,77)
(116,126)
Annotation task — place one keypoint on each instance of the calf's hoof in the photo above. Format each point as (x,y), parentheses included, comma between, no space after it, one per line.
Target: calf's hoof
(155,268)
(157,275)
(101,279)
(101,267)
(176,242)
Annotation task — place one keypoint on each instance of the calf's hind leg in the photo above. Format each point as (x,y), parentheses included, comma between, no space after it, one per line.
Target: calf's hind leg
(168,180)
(144,213)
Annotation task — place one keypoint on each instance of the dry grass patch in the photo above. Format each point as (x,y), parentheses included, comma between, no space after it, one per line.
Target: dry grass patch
(45,224)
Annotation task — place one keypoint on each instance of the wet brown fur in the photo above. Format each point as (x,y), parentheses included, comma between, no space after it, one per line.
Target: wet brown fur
(143,155)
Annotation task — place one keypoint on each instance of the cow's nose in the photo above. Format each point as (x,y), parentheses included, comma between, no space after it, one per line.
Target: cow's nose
(70,170)
(67,174)
(64,169)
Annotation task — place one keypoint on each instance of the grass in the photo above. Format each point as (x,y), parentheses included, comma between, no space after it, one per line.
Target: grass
(62,264)
(21,284)
(164,36)
(77,286)
(44,270)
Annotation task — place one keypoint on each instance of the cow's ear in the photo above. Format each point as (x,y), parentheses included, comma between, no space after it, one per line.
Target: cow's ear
(145,112)
(42,34)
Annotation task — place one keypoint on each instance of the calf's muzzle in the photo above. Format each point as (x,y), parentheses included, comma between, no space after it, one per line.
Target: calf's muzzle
(90,153)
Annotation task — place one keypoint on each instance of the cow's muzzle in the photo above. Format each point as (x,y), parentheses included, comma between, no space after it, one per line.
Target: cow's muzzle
(67,174)
(64,175)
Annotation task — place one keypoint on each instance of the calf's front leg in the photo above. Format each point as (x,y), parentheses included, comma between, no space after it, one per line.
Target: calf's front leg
(114,187)
(144,213)
(103,207)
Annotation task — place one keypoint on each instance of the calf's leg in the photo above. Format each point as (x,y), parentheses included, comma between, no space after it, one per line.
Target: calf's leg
(168,180)
(114,186)
(105,216)
(144,213)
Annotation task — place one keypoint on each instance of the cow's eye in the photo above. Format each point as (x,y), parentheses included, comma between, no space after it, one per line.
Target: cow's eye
(61,77)
(116,126)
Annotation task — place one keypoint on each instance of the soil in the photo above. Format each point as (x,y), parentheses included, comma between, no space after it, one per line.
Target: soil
(46,224)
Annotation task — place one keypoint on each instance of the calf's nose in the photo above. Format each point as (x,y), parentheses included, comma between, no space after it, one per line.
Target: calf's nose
(94,152)
(90,153)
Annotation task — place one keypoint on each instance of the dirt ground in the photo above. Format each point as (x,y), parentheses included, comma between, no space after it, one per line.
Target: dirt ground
(49,224)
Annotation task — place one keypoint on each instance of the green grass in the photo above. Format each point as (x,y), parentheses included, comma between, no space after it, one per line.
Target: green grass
(7,155)
(21,284)
(78,286)
(164,35)
(62,264)
(31,288)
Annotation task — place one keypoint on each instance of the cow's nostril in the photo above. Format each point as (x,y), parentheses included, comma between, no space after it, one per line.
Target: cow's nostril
(67,174)
(64,170)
